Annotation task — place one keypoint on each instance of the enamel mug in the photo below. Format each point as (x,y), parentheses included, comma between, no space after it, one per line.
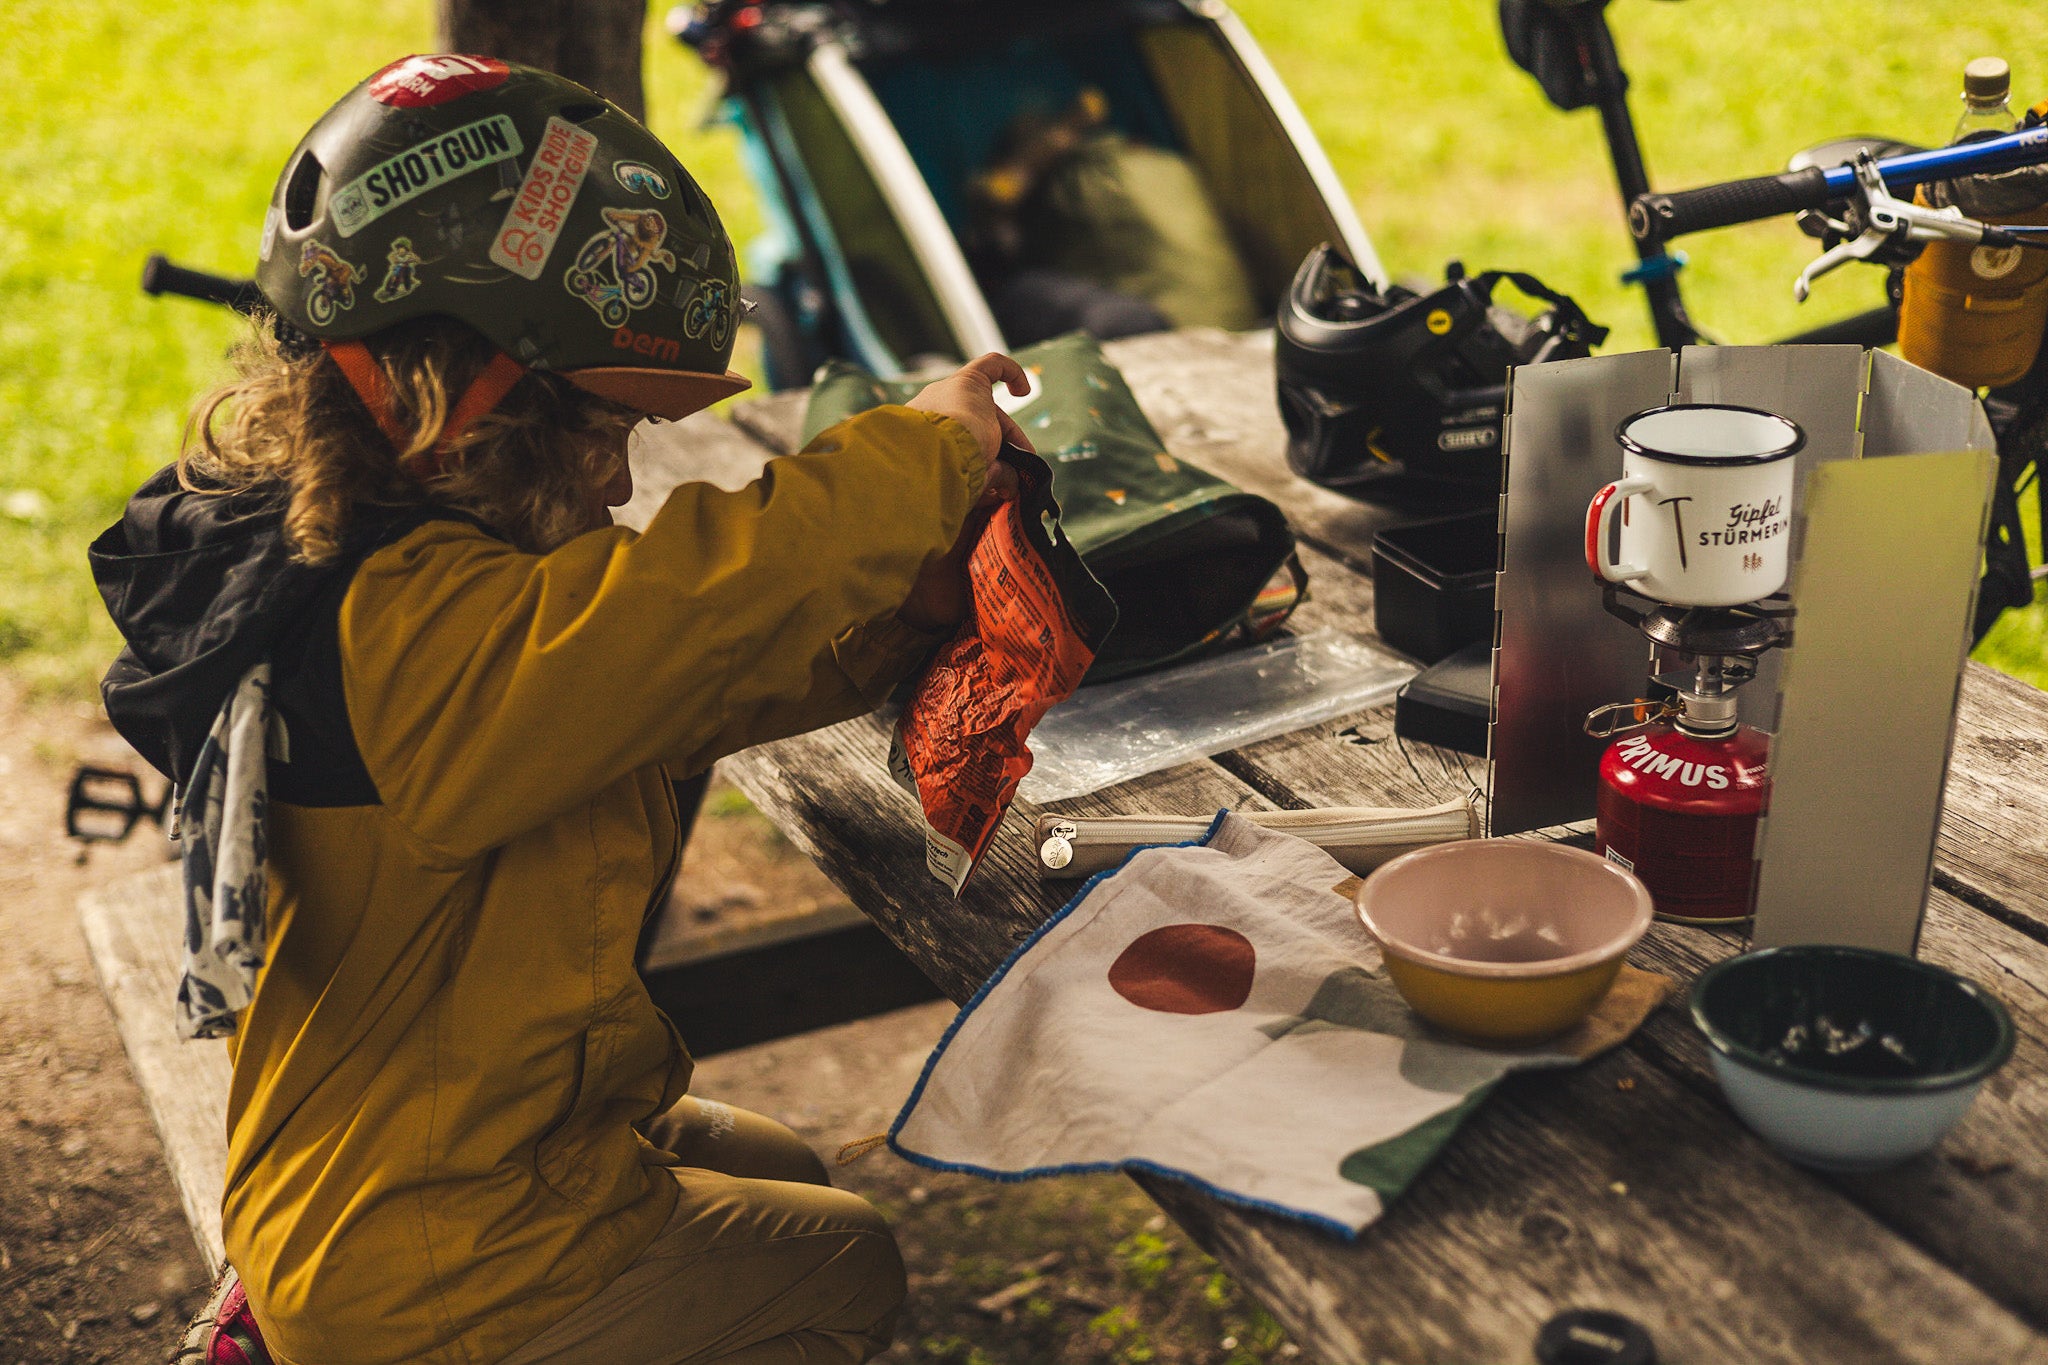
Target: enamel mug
(1705,504)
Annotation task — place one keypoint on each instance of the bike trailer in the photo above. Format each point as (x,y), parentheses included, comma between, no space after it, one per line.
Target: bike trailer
(874,128)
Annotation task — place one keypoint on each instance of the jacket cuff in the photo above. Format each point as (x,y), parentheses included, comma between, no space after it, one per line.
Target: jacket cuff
(878,655)
(962,451)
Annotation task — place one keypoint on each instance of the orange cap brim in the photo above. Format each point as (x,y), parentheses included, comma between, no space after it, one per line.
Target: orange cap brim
(659,393)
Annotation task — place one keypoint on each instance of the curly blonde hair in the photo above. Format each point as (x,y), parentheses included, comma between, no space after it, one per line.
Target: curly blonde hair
(528,469)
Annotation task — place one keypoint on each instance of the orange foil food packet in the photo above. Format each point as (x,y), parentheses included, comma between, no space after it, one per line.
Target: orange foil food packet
(1037,620)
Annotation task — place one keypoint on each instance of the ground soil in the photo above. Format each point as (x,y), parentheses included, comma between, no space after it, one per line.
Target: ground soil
(97,1264)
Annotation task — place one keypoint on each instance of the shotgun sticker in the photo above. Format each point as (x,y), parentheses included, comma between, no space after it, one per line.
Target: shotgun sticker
(422,167)
(527,236)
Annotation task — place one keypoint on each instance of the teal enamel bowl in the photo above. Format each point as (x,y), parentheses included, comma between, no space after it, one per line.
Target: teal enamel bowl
(1848,1059)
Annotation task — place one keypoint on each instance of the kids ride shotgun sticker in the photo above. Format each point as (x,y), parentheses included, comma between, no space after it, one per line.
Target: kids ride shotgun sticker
(1037,620)
(553,179)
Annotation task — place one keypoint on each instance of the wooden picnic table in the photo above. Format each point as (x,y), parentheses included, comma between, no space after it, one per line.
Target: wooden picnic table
(1626,1184)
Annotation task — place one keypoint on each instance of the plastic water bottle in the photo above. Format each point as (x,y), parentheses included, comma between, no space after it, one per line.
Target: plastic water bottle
(1987,101)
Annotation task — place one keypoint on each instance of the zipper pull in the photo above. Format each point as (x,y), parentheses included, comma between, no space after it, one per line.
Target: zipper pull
(1058,849)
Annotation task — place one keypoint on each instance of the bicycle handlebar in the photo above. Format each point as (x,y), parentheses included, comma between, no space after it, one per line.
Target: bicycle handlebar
(1664,216)
(159,276)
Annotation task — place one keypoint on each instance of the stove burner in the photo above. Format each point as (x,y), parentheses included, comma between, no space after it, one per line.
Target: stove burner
(1724,631)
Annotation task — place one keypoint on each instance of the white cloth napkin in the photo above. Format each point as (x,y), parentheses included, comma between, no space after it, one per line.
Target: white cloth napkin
(1214,1013)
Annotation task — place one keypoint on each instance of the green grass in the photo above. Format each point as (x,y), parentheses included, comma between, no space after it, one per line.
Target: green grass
(139,128)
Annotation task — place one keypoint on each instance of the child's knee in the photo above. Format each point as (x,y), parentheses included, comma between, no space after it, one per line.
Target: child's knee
(872,1273)
(736,1142)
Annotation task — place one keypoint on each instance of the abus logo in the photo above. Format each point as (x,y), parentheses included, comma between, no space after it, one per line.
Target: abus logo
(1638,753)
(647,344)
(1471,438)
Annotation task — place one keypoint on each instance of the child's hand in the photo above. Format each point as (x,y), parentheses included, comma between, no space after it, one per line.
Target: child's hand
(966,397)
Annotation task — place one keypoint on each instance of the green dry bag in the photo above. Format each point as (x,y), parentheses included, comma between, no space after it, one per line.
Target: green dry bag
(1192,562)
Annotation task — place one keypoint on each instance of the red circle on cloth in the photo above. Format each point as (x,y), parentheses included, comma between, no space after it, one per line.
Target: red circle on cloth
(415,82)
(1186,969)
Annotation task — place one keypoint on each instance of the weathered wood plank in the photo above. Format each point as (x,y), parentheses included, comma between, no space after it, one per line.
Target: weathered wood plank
(831,793)
(1993,848)
(1979,1203)
(775,420)
(701,449)
(134,930)
(1571,1192)
(1211,397)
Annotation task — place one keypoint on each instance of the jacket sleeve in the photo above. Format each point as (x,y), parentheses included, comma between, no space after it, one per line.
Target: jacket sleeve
(491,690)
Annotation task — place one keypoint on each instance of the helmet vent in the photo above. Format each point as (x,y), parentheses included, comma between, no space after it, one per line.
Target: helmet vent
(301,191)
(583,111)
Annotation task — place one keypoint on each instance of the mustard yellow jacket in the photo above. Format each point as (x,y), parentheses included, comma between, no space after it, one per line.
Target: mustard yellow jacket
(432,1145)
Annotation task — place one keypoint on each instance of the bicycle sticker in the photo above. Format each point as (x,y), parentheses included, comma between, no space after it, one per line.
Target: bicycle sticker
(640,178)
(333,289)
(527,236)
(416,82)
(422,167)
(709,310)
(614,271)
(401,271)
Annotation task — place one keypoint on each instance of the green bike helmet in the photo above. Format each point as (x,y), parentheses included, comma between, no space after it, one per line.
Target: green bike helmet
(516,202)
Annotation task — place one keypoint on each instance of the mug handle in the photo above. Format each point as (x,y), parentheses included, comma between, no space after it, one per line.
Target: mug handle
(1600,528)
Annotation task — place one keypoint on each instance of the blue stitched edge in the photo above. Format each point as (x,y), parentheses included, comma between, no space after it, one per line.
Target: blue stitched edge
(1321,1221)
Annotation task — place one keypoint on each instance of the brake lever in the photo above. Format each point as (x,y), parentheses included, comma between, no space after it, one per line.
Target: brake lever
(1858,248)
(1889,220)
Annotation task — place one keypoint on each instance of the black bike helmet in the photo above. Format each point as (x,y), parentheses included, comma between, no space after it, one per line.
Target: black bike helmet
(1398,386)
(517,202)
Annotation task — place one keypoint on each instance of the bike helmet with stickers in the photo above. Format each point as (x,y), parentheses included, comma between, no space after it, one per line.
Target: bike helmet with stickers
(1399,387)
(521,204)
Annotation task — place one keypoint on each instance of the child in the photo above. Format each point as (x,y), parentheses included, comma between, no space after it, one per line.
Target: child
(382,632)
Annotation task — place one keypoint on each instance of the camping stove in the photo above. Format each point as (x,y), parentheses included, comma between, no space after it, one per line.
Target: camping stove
(1682,788)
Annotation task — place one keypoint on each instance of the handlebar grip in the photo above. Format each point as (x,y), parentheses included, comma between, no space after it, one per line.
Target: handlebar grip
(1663,216)
(159,276)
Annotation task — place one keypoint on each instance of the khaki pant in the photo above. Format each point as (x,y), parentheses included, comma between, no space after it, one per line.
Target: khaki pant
(762,1263)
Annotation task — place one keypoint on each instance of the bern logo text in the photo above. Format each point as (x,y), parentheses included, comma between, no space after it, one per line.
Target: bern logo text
(647,344)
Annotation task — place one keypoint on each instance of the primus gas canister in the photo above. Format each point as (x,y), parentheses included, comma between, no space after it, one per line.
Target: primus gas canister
(1678,806)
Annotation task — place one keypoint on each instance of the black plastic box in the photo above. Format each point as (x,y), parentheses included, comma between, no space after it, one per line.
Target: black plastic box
(1432,584)
(1450,702)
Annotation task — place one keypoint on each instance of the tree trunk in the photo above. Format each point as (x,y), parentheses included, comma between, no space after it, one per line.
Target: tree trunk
(593,42)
